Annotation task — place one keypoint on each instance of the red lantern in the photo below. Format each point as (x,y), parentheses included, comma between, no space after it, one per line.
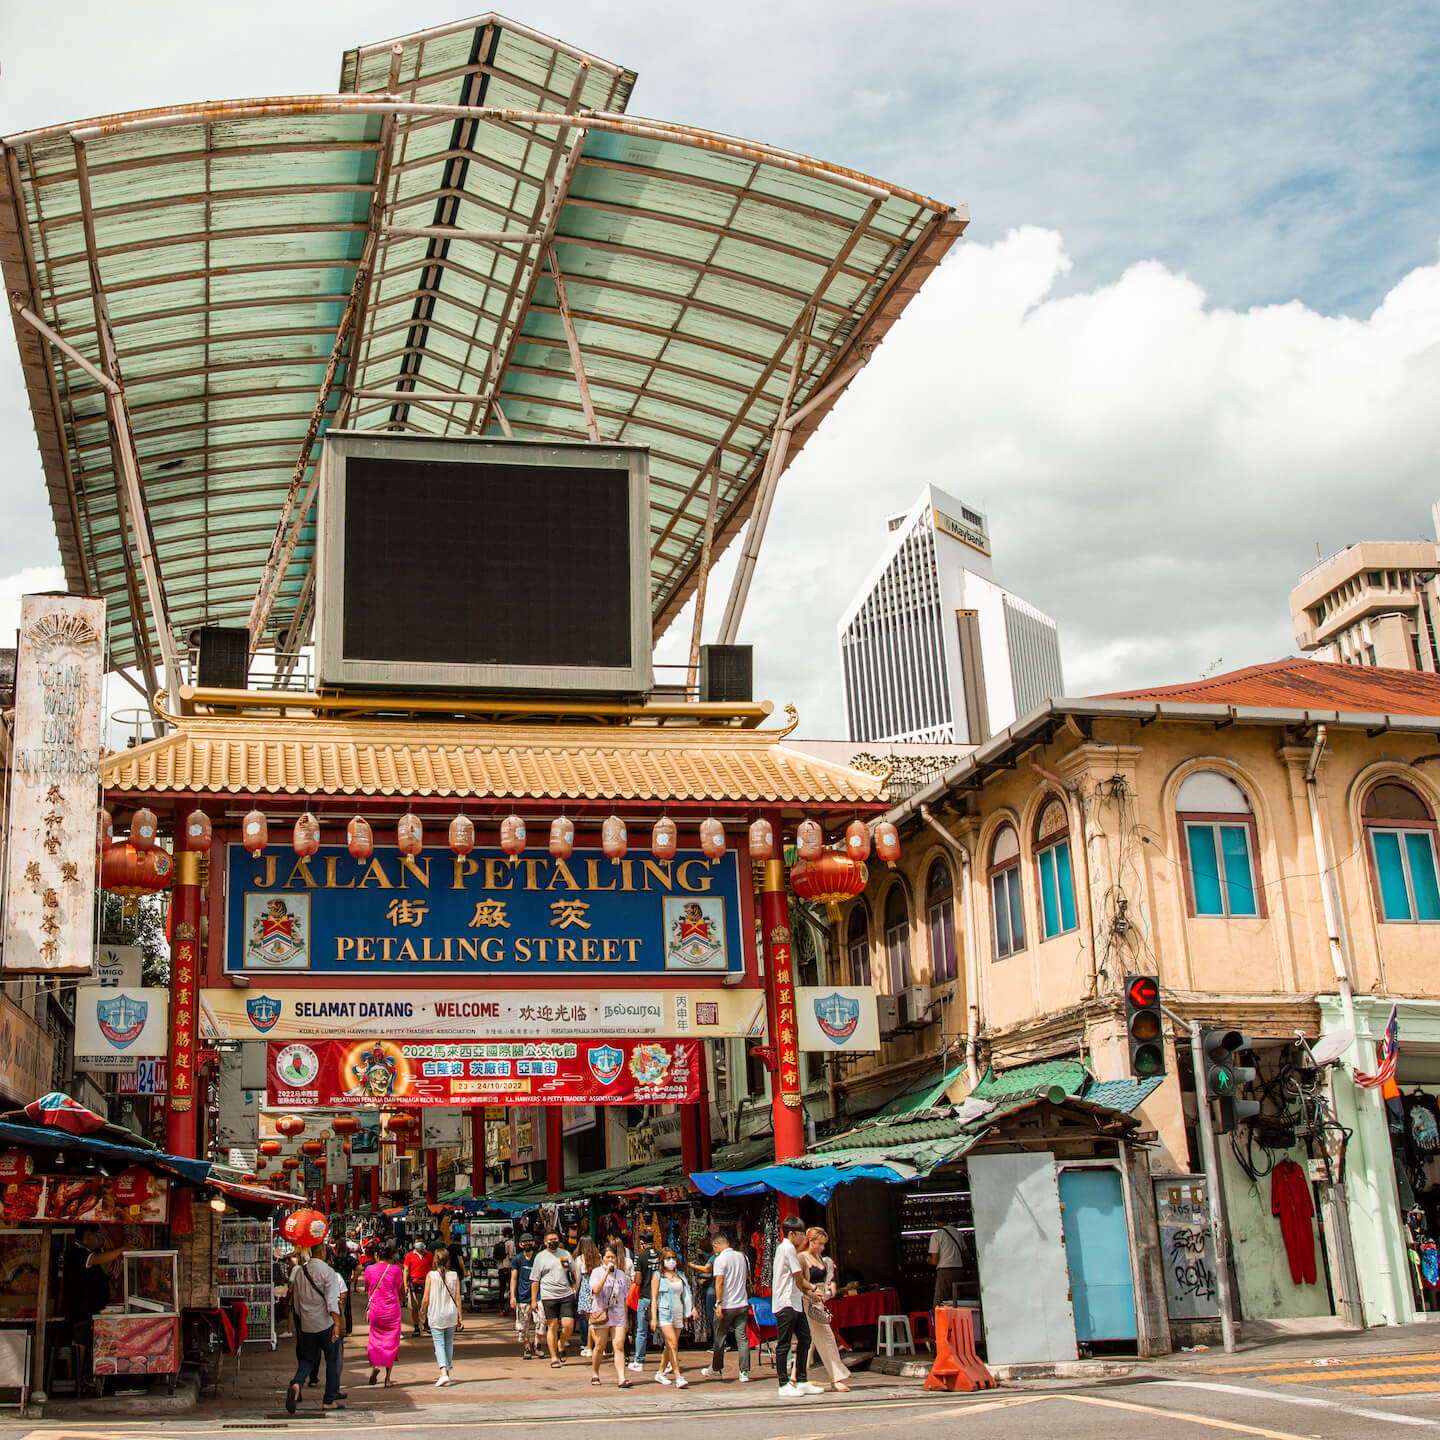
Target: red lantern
(887,842)
(857,840)
(347,1147)
(663,838)
(262,1164)
(130,873)
(712,838)
(512,835)
(290,1126)
(254,832)
(410,834)
(462,834)
(400,1122)
(762,840)
(613,839)
(105,824)
(306,837)
(320,1163)
(828,880)
(142,829)
(345,1125)
(304,1227)
(270,1147)
(289,1163)
(312,1148)
(809,840)
(358,839)
(195,832)
(562,838)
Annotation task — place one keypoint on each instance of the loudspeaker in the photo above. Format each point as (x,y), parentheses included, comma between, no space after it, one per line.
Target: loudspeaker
(727,673)
(223,662)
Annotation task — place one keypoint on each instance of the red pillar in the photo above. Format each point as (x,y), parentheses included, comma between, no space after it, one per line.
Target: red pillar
(787,1115)
(690,1140)
(704,1105)
(432,1176)
(375,1187)
(356,1203)
(554,1149)
(477,1151)
(180,1116)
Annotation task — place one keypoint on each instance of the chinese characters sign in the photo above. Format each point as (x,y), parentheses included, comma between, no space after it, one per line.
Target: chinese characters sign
(787,1044)
(485,913)
(50,896)
(342,1074)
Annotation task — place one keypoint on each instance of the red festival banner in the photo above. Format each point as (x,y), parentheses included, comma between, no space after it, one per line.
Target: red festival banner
(345,1074)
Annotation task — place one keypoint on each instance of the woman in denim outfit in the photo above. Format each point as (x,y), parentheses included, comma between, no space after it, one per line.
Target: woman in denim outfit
(671,1300)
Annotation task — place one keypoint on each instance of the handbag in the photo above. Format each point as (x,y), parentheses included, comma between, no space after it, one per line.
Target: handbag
(632,1300)
(818,1310)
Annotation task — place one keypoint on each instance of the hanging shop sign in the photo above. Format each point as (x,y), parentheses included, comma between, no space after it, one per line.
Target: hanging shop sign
(484,913)
(149,1077)
(115,1029)
(837,1017)
(117,966)
(132,1196)
(342,1074)
(291,1014)
(55,753)
(26,1054)
(442,1129)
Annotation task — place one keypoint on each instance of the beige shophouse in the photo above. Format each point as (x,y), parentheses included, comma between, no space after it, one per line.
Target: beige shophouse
(1263,842)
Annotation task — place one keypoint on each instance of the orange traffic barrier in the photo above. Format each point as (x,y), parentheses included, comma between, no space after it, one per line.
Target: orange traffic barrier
(957,1366)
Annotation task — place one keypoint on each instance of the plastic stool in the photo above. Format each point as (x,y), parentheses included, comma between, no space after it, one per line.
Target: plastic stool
(63,1373)
(919,1318)
(893,1337)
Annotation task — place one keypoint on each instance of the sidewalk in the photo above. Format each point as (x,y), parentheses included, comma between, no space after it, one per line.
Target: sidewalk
(490,1373)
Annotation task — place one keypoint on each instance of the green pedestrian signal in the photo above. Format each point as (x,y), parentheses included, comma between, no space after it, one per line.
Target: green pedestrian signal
(1223,1078)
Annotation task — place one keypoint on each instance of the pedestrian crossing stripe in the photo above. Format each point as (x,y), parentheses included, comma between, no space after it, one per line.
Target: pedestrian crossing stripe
(1413,1387)
(1322,1363)
(1358,1373)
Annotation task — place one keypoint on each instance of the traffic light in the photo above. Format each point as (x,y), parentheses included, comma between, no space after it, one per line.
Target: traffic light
(1223,1078)
(1143,1026)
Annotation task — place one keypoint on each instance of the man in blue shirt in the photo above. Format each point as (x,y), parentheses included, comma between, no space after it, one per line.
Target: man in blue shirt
(520,1297)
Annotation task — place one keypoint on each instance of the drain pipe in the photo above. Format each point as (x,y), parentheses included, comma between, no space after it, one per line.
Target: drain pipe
(972,969)
(1329,898)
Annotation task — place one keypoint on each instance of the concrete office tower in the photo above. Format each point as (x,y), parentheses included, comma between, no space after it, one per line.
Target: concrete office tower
(931,648)
(1376,602)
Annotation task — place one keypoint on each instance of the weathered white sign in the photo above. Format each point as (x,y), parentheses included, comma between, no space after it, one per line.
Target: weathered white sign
(337,1162)
(443,1127)
(50,865)
(116,1029)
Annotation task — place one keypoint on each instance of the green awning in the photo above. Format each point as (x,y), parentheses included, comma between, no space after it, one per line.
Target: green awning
(923,1096)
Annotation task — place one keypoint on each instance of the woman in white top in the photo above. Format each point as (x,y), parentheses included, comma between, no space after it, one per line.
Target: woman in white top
(671,1300)
(440,1303)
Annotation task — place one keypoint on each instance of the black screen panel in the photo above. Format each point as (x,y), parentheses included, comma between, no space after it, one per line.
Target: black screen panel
(493,564)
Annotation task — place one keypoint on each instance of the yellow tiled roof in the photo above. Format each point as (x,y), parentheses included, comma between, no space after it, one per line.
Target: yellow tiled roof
(328,757)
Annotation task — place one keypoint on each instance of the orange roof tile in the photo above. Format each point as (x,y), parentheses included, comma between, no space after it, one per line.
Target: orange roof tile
(1307,685)
(330,757)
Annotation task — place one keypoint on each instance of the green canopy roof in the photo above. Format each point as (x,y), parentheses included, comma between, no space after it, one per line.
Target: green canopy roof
(471,238)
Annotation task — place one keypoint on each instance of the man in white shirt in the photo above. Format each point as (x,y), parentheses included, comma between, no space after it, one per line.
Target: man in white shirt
(947,1255)
(789,1285)
(732,1306)
(315,1301)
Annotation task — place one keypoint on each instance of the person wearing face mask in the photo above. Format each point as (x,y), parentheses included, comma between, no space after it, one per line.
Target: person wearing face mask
(552,1285)
(671,1300)
(520,1297)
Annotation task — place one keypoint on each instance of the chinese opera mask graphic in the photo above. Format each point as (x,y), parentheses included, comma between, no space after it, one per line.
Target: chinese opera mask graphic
(694,934)
(650,1064)
(277,931)
(370,1071)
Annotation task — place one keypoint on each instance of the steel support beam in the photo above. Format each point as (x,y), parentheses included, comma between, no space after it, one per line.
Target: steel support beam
(576,363)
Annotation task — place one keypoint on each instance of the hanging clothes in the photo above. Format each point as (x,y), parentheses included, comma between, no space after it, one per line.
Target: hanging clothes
(1290,1201)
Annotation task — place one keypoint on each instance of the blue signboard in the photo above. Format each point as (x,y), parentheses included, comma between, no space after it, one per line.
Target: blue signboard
(486,913)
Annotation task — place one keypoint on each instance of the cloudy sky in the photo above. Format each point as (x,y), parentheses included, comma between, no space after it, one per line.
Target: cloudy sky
(1193,330)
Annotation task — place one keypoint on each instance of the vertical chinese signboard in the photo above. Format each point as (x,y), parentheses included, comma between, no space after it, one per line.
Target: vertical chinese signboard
(50,858)
(787,1046)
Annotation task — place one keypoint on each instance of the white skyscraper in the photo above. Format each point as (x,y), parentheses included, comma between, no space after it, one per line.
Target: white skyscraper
(931,648)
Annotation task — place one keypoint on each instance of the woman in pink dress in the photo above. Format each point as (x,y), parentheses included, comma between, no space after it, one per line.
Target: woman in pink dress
(382,1286)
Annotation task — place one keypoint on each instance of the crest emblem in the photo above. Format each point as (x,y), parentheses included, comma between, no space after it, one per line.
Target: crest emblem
(837,1015)
(264,1011)
(122,1019)
(606,1062)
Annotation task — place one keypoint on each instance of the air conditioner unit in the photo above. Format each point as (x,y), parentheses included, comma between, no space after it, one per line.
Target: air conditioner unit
(914,1007)
(888,1009)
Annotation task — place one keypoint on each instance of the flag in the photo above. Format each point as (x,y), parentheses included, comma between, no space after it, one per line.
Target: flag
(1389,1056)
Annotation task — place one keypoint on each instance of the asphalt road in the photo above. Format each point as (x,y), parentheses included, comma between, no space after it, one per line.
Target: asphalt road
(1304,1400)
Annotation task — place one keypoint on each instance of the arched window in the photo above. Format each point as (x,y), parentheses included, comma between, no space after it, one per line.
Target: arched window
(1006,911)
(940,922)
(897,939)
(1053,870)
(1401,832)
(1217,834)
(857,944)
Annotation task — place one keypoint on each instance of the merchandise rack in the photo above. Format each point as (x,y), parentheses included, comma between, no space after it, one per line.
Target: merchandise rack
(244,1272)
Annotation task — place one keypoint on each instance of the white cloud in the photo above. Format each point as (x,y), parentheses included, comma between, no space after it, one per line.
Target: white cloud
(1157,471)
(34,581)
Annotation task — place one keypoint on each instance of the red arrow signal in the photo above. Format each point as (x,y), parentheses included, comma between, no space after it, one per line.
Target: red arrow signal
(1143,991)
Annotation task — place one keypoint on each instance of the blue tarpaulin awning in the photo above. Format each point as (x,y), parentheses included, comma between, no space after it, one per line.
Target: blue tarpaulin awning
(817,1183)
(42,1137)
